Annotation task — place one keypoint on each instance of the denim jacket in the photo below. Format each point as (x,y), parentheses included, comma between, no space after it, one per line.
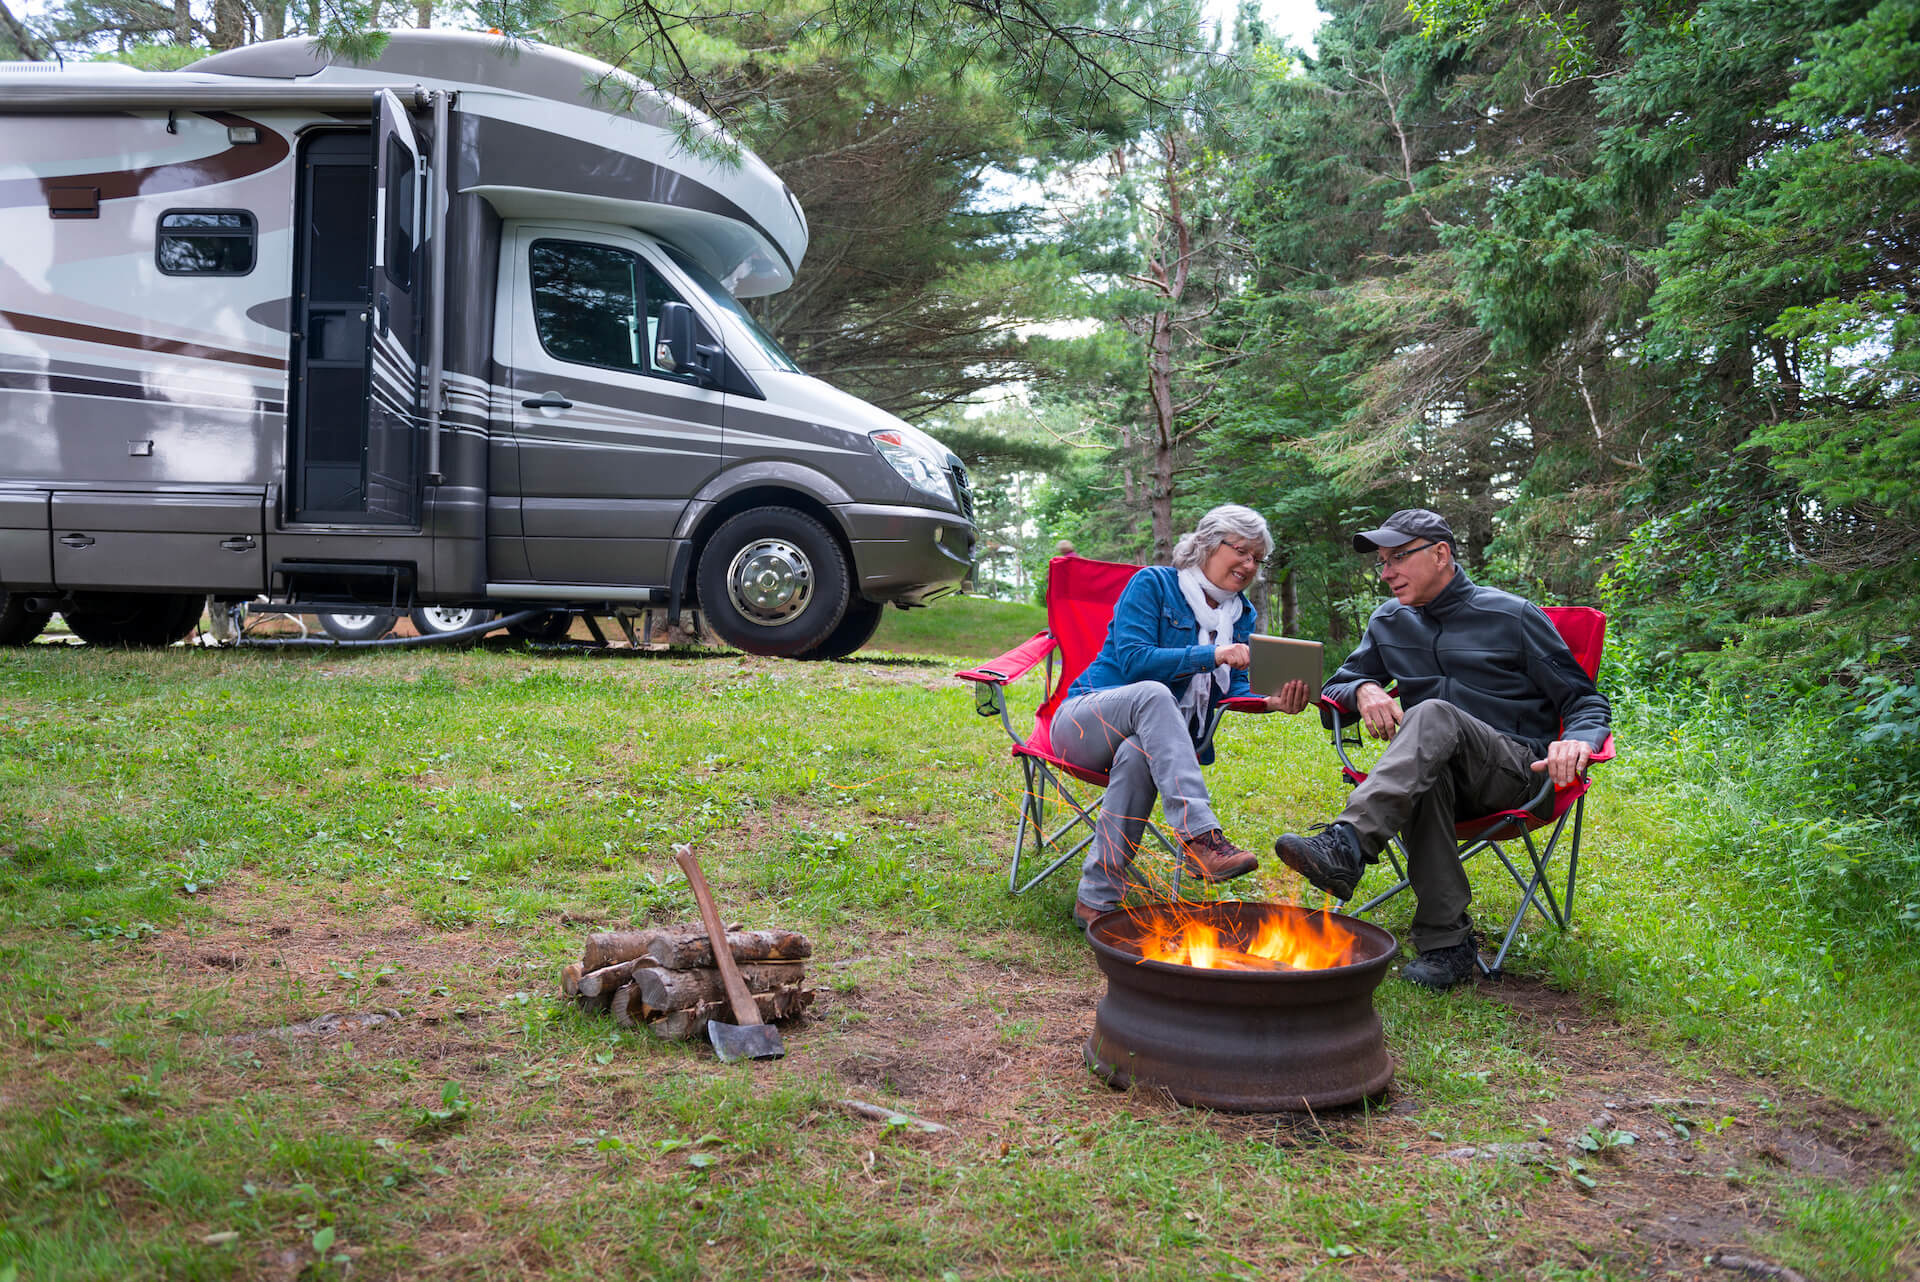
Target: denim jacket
(1152,639)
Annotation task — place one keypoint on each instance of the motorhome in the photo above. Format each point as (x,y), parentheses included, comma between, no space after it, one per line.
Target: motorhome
(457,326)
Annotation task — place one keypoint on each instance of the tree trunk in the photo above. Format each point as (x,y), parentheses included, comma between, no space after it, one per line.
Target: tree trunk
(1290,605)
(229,24)
(423,14)
(182,23)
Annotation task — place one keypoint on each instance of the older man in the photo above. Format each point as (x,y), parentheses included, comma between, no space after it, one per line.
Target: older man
(1490,698)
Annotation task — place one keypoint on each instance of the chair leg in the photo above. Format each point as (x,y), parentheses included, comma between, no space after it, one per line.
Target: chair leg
(1044,840)
(1393,853)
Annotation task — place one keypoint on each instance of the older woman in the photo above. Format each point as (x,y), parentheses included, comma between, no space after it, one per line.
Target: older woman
(1142,710)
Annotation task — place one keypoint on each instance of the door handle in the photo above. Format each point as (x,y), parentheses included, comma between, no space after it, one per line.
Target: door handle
(77,540)
(238,543)
(548,401)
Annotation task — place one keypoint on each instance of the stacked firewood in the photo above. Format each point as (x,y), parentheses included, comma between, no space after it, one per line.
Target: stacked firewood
(664,978)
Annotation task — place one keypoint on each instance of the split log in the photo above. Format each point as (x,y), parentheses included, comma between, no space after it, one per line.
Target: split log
(593,1005)
(681,989)
(684,1025)
(608,978)
(687,946)
(628,1010)
(570,979)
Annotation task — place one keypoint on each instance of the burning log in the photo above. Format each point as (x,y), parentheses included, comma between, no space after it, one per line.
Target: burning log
(664,979)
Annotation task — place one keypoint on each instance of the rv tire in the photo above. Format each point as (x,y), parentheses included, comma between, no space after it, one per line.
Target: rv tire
(551,626)
(857,627)
(19,625)
(773,581)
(438,620)
(355,627)
(133,620)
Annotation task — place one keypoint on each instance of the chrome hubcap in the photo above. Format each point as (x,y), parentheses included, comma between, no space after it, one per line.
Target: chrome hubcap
(354,621)
(770,581)
(444,620)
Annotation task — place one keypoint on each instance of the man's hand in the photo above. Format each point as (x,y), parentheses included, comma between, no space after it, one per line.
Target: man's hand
(1566,761)
(1234,656)
(1379,712)
(1291,699)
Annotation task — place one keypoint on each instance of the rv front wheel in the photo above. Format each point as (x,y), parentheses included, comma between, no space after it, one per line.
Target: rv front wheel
(19,625)
(862,620)
(773,581)
(133,620)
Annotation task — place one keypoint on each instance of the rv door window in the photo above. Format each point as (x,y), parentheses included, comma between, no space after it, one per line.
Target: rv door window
(399,215)
(599,305)
(205,242)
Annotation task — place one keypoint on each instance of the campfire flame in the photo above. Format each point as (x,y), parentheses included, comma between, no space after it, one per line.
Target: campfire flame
(1280,940)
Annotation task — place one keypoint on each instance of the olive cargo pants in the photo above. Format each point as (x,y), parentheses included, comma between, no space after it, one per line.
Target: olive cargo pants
(1441,764)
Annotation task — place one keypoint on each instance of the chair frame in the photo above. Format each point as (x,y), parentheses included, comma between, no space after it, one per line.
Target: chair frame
(1488,832)
(1044,771)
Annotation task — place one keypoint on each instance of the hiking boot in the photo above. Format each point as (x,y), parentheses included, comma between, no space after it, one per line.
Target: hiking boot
(1330,858)
(1211,857)
(1083,914)
(1442,968)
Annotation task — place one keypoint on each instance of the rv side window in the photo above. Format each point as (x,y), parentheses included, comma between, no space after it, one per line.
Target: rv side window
(399,214)
(600,306)
(205,242)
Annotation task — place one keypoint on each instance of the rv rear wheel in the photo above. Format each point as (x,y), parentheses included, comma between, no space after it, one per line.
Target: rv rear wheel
(438,620)
(133,620)
(355,627)
(856,628)
(773,581)
(551,626)
(19,625)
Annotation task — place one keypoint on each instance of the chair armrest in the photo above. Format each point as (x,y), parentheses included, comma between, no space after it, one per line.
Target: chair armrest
(1245,703)
(1015,663)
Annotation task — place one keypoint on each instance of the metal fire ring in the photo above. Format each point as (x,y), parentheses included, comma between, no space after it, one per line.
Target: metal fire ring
(770,582)
(1244,1041)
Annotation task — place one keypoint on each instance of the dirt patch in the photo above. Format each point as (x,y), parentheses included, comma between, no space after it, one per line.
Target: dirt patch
(973,1045)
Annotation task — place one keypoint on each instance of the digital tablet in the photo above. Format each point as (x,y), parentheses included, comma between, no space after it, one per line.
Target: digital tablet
(1278,660)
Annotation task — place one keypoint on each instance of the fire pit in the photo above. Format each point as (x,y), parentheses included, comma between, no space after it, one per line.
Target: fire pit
(1242,1006)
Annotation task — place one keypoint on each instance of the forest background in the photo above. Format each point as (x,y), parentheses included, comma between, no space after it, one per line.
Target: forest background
(1624,288)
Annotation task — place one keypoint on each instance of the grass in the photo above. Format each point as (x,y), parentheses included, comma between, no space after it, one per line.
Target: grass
(198,847)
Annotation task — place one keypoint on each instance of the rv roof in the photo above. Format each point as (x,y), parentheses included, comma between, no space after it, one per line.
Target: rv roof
(736,217)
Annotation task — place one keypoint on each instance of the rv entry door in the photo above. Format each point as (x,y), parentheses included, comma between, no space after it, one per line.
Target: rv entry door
(394,419)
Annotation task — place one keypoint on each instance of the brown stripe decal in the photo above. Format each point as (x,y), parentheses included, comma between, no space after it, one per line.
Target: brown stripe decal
(235,162)
(143,342)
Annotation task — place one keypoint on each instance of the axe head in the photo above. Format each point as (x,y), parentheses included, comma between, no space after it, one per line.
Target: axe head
(745,1041)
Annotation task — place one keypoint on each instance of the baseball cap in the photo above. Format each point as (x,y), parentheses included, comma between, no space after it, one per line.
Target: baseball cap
(1405,526)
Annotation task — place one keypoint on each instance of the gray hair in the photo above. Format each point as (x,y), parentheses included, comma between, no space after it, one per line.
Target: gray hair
(1228,521)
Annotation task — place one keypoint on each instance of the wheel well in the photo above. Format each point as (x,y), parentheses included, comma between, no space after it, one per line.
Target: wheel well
(765,496)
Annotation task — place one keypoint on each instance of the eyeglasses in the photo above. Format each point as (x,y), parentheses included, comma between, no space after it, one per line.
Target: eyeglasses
(1245,554)
(1395,558)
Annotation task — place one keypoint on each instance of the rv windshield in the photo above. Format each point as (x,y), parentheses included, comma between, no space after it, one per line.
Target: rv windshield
(728,303)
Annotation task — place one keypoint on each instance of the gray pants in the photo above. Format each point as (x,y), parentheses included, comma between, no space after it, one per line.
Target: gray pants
(1441,763)
(1138,736)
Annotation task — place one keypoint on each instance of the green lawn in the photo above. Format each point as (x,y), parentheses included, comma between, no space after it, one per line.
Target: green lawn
(200,846)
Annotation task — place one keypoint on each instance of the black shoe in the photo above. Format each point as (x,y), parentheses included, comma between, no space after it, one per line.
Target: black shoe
(1211,857)
(1442,968)
(1330,858)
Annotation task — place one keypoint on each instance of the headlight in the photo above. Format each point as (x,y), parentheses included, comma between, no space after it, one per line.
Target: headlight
(922,473)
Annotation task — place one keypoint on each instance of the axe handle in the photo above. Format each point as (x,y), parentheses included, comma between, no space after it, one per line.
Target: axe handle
(745,1009)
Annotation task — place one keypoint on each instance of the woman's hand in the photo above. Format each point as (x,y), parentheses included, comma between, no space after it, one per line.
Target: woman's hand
(1292,698)
(1234,656)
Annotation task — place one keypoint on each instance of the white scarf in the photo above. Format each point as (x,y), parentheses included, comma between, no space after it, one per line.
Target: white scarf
(1216,628)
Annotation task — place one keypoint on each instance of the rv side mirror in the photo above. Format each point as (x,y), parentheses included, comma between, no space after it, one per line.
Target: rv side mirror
(674,338)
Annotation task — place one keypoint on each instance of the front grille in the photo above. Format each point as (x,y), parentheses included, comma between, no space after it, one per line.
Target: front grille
(962,490)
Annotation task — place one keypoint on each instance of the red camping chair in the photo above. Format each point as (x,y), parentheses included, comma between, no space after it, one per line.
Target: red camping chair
(1080,598)
(1585,631)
